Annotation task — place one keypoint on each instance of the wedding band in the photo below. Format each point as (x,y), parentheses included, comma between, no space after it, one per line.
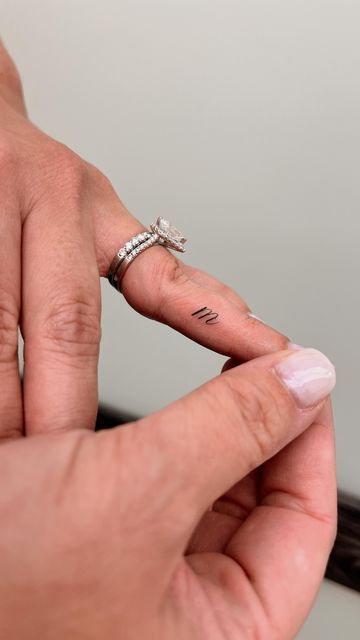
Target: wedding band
(161,232)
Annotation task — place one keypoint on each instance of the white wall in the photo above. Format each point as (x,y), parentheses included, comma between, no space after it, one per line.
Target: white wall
(242,111)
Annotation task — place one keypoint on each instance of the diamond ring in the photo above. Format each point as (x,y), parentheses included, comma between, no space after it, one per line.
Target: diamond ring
(161,232)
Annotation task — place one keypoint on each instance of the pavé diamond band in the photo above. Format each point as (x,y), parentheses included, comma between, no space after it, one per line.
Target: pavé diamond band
(161,232)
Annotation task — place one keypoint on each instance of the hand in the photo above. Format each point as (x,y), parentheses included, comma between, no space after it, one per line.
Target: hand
(110,535)
(61,224)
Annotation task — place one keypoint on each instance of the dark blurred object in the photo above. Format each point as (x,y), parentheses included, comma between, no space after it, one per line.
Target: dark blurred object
(344,561)
(108,418)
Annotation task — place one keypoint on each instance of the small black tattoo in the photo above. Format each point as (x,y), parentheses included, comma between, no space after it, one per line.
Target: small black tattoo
(212,319)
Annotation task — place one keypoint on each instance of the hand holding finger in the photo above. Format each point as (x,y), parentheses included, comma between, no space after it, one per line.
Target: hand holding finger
(267,413)
(222,431)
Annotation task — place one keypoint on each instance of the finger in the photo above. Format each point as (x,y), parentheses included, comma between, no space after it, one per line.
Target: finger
(215,436)
(223,519)
(10,82)
(158,285)
(61,312)
(11,417)
(210,282)
(291,533)
(200,313)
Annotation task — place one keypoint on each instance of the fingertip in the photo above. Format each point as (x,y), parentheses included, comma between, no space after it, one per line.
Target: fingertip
(309,376)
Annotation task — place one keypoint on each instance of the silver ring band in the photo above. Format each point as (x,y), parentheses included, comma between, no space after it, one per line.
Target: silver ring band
(123,252)
(162,233)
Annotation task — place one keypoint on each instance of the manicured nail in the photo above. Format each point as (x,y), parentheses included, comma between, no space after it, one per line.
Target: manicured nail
(309,375)
(294,346)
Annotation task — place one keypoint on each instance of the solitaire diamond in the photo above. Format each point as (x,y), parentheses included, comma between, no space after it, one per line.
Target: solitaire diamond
(172,232)
(168,235)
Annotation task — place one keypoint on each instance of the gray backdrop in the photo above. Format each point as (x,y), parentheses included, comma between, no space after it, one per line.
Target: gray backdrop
(243,113)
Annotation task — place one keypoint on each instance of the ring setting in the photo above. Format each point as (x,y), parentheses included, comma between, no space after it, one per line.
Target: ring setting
(161,232)
(168,234)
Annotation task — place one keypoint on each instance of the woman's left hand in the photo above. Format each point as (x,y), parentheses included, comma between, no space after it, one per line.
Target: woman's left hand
(61,225)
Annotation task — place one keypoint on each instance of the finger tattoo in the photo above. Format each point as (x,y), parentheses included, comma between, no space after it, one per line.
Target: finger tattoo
(205,312)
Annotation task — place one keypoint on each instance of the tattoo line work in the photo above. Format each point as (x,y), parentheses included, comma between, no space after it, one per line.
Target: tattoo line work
(212,319)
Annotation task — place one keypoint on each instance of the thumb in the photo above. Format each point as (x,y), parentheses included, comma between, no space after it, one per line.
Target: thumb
(216,435)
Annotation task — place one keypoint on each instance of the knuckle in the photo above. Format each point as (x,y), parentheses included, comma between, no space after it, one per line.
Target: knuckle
(74,326)
(99,179)
(103,192)
(259,412)
(171,279)
(174,273)
(63,167)
(164,280)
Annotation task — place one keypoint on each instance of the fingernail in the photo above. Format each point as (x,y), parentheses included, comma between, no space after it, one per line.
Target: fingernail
(308,375)
(294,346)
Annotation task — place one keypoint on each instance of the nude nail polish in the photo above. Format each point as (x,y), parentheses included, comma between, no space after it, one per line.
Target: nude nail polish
(309,376)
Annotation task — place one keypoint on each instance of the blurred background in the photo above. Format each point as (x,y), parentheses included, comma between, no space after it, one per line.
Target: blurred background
(239,121)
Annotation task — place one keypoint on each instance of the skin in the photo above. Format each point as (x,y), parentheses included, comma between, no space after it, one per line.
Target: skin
(122,534)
